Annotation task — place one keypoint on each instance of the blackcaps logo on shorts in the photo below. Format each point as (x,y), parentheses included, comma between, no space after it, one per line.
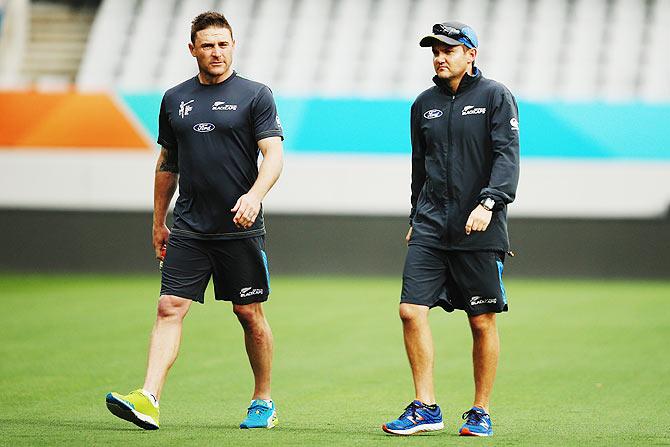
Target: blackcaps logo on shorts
(248,291)
(432,114)
(204,127)
(477,300)
(221,105)
(472,110)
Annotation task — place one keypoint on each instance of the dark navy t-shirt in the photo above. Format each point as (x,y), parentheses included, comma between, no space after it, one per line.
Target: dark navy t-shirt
(215,131)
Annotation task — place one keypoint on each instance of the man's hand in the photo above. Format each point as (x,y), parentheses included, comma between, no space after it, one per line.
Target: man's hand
(479,220)
(409,235)
(246,210)
(160,238)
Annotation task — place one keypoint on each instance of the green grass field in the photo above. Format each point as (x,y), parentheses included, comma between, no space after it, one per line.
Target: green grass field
(583,363)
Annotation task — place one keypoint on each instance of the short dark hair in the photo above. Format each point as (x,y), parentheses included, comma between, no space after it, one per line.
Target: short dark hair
(209,19)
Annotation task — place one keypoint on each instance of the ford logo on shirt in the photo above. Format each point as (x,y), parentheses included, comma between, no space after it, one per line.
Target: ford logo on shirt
(204,127)
(433,113)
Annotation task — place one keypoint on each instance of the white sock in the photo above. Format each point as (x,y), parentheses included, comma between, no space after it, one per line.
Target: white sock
(267,401)
(151,397)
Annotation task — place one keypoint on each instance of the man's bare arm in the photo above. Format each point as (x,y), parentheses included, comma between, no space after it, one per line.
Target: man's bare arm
(165,185)
(249,205)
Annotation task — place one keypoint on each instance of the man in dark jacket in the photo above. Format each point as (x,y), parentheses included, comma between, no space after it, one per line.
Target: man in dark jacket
(465,170)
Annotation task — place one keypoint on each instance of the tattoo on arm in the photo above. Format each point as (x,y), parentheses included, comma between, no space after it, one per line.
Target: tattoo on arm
(168,161)
(166,167)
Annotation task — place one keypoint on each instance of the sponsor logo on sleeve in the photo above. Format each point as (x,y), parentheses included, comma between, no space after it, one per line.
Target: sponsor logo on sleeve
(432,114)
(514,123)
(204,127)
(278,122)
(221,105)
(184,108)
(472,110)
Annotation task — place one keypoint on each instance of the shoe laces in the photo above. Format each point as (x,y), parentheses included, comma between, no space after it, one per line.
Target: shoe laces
(257,408)
(474,417)
(410,410)
(139,394)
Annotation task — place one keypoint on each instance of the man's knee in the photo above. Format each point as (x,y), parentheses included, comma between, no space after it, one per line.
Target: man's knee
(248,314)
(172,307)
(483,323)
(412,312)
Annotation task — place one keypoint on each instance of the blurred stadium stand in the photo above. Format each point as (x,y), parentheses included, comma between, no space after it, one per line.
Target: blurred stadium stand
(592,78)
(541,49)
(45,41)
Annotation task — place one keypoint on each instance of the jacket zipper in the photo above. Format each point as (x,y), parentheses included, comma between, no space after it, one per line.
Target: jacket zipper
(447,167)
(449,148)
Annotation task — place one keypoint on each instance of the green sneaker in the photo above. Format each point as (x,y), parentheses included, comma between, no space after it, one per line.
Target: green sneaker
(134,407)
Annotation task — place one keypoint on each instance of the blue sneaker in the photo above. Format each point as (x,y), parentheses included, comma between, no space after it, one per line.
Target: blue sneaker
(416,418)
(260,414)
(477,423)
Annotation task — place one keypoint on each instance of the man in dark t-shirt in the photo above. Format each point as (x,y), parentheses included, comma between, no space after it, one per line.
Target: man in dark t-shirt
(212,129)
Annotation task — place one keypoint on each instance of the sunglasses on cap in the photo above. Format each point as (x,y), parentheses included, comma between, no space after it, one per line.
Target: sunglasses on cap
(452,32)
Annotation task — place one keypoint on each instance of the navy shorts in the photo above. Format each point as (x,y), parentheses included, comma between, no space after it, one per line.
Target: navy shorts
(238,267)
(451,279)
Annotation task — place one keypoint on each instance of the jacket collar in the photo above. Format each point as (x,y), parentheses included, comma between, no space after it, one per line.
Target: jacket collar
(466,84)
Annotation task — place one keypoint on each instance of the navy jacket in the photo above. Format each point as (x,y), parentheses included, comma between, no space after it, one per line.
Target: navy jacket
(465,147)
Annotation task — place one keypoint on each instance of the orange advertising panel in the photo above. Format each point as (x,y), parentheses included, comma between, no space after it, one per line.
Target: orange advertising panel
(66,120)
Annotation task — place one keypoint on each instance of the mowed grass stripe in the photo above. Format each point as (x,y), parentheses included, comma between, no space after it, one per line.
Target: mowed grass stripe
(583,363)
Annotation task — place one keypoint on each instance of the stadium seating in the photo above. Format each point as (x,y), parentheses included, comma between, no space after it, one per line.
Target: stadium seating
(104,52)
(542,49)
(300,65)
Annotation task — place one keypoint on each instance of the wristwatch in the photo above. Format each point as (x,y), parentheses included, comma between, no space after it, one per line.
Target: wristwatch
(488,203)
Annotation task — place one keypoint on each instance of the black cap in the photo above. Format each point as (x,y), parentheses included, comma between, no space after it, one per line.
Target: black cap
(451,33)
